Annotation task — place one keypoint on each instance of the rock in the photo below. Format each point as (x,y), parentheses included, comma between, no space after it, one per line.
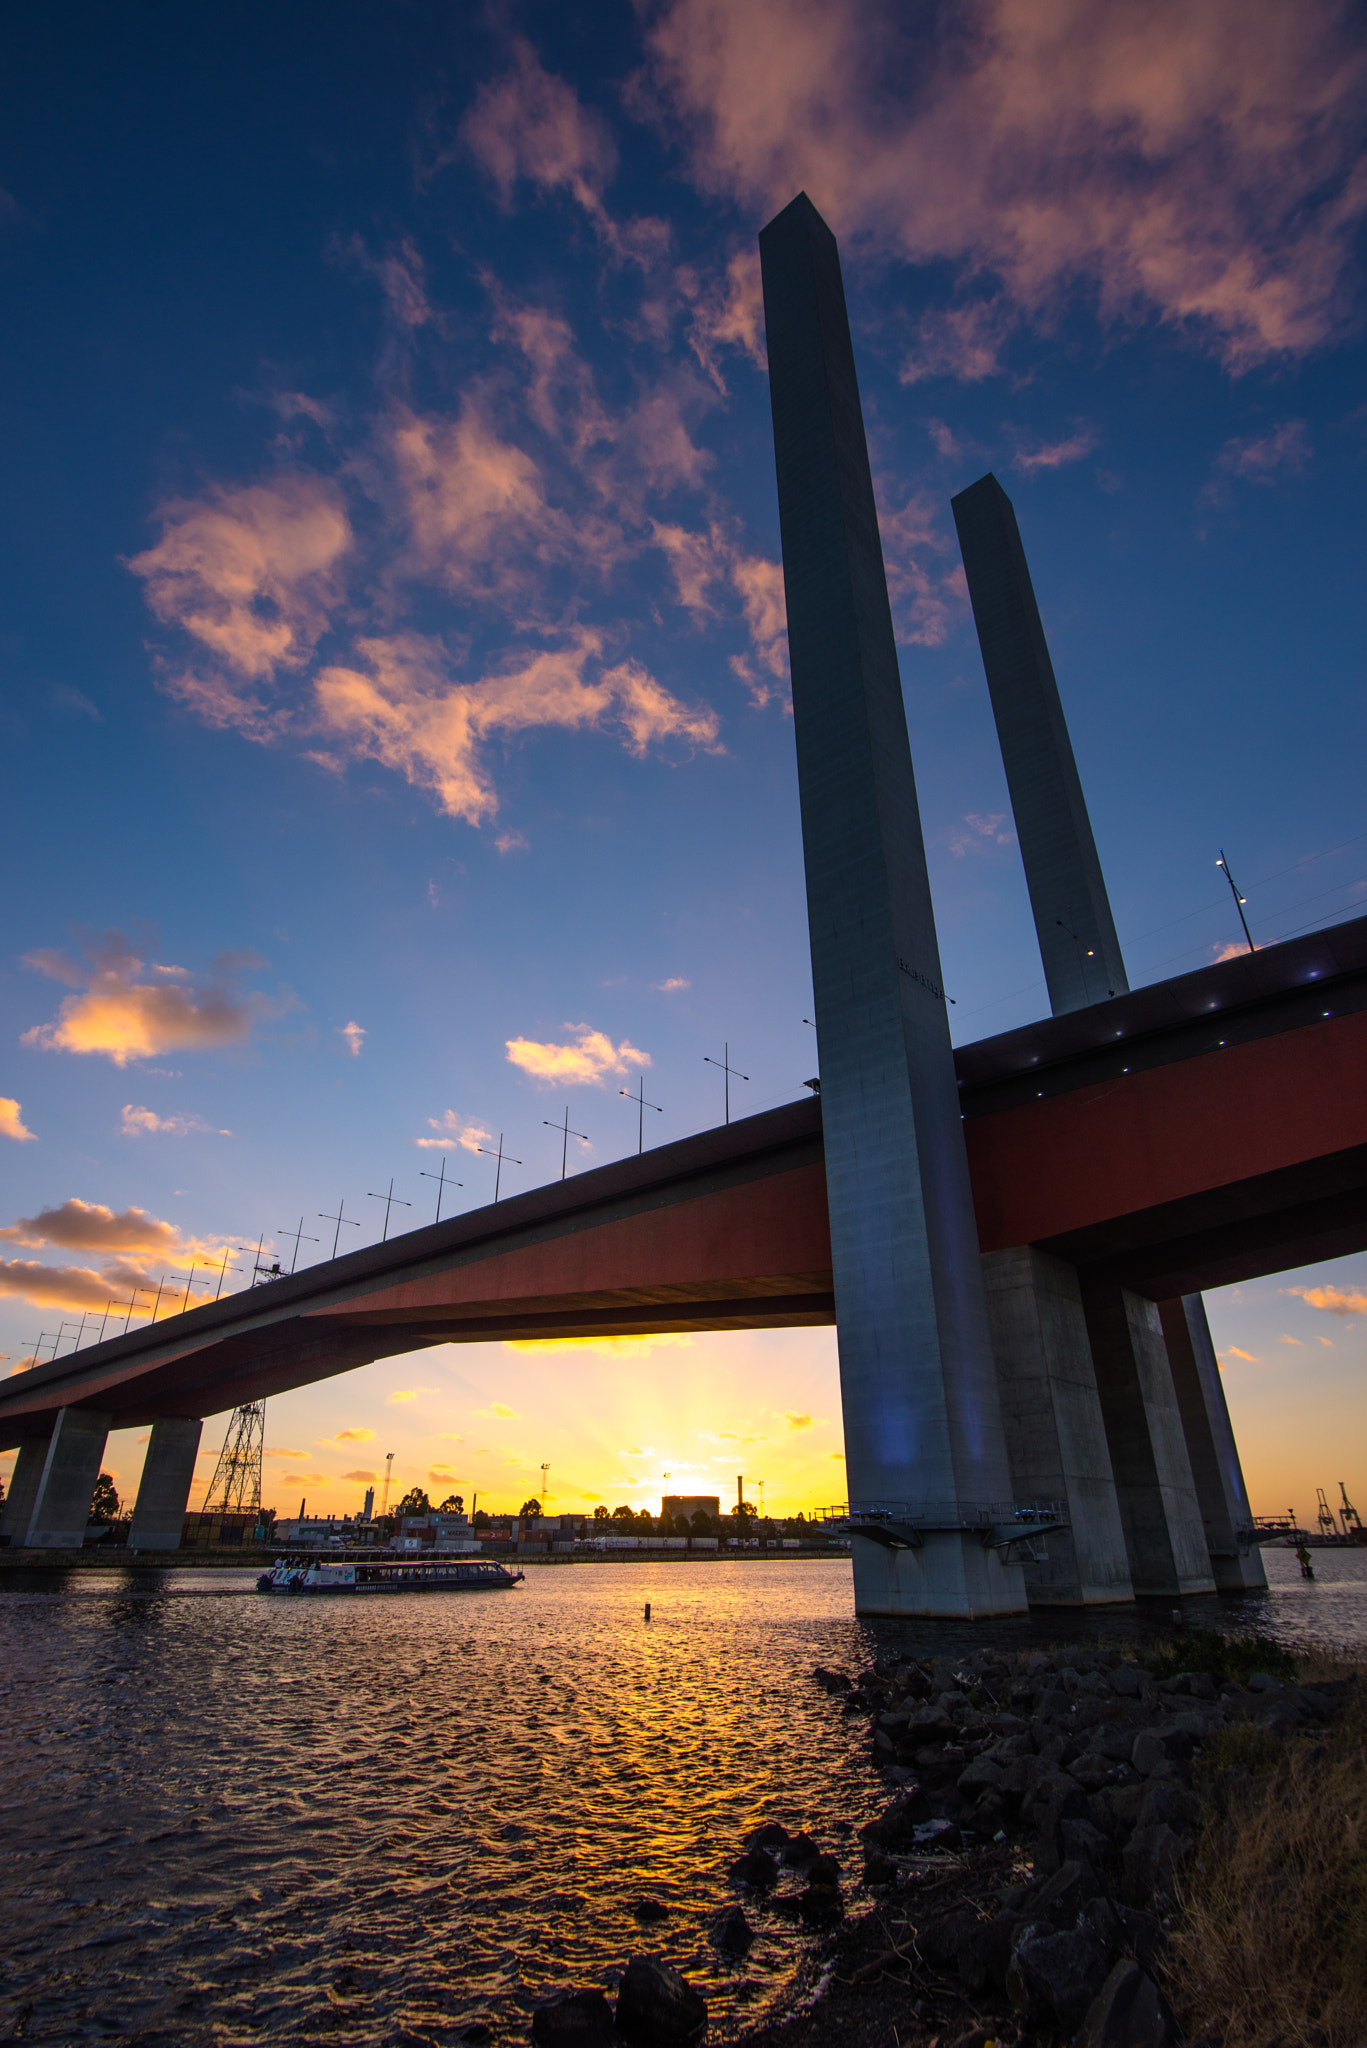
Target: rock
(978,1775)
(830,1681)
(894,1828)
(927,1725)
(1063,1896)
(770,1834)
(823,1870)
(799,1851)
(1262,1681)
(650,1909)
(1154,1746)
(1082,1840)
(1129,2011)
(576,2019)
(1120,1803)
(821,1905)
(730,1931)
(1143,1934)
(1062,1972)
(476,2035)
(657,2008)
(756,1868)
(1125,1681)
(1152,1858)
(1166,1801)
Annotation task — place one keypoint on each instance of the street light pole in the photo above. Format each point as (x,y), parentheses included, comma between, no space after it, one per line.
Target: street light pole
(389,1200)
(727,1071)
(440,1179)
(641,1107)
(500,1155)
(566,1135)
(1239,901)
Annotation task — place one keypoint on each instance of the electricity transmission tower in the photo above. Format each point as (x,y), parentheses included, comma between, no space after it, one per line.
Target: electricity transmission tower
(236,1485)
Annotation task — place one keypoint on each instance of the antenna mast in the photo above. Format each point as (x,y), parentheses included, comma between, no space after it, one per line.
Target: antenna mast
(236,1485)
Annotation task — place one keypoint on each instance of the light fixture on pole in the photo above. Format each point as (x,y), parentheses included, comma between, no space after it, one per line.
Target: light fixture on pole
(299,1238)
(389,1200)
(500,1155)
(224,1268)
(339,1219)
(566,1134)
(641,1107)
(440,1179)
(727,1071)
(1239,901)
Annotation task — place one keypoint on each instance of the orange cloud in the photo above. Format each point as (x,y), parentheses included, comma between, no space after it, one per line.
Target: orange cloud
(354,1034)
(91,1227)
(75,1287)
(455,1130)
(125,1017)
(361,1478)
(11,1123)
(479,519)
(1335,1301)
(350,1436)
(1249,1357)
(1197,162)
(589,1061)
(252,574)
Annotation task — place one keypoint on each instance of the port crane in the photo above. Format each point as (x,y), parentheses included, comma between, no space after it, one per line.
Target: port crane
(1329,1528)
(1349,1516)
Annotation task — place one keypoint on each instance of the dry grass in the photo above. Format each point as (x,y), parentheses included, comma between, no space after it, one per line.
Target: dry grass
(1270,1949)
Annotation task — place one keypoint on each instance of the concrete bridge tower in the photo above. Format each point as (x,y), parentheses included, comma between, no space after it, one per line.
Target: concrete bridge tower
(1151,1379)
(922,1417)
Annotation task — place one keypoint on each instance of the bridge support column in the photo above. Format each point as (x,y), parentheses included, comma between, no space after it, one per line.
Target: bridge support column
(918,1388)
(23,1490)
(164,1490)
(1215,1467)
(1055,1434)
(1153,1478)
(61,1506)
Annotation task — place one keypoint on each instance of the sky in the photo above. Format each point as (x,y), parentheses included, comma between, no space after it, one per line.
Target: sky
(396,748)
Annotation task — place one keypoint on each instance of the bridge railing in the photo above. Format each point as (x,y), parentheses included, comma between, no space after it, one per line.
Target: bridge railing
(937,1515)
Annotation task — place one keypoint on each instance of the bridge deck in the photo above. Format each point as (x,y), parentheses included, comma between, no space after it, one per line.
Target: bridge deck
(1204,1130)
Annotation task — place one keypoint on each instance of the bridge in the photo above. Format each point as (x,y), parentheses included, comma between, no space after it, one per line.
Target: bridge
(1010,1238)
(1202,1131)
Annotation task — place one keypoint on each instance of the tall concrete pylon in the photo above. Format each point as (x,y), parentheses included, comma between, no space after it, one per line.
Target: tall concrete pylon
(922,1414)
(1077,937)
(1180,1489)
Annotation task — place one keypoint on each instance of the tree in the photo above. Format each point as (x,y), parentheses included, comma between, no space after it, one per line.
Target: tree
(104,1502)
(414,1502)
(702,1525)
(481,1520)
(746,1511)
(623,1514)
(530,1507)
(600,1513)
(454,1504)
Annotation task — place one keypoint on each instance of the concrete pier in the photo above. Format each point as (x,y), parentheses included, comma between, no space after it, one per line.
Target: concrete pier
(1226,1516)
(164,1490)
(1076,932)
(1055,1432)
(1154,1487)
(23,1490)
(922,1414)
(60,1513)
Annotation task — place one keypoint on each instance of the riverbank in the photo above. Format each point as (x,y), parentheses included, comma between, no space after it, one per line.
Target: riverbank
(102,1559)
(1097,1847)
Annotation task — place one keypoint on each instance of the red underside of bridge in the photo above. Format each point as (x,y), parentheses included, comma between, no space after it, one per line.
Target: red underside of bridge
(1205,1131)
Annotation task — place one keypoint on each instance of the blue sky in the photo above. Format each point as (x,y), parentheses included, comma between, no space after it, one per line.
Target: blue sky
(392,633)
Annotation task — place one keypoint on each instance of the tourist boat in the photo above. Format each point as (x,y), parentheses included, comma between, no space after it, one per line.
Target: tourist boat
(355,1575)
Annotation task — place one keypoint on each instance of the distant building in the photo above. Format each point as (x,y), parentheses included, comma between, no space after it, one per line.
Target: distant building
(677,1507)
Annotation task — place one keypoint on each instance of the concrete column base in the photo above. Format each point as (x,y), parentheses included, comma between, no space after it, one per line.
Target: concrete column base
(951,1575)
(1156,1492)
(1055,1435)
(61,1507)
(164,1490)
(23,1490)
(1226,1516)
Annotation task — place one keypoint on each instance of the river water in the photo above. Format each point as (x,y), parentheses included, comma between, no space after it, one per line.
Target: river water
(227,1819)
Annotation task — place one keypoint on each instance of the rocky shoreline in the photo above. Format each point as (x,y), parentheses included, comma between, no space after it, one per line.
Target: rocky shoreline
(1020,1884)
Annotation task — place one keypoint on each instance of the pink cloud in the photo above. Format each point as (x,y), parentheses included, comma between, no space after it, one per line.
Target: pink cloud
(1197,162)
(1259,458)
(1075,447)
(251,574)
(406,711)
(454,1130)
(530,125)
(12,1123)
(589,1060)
